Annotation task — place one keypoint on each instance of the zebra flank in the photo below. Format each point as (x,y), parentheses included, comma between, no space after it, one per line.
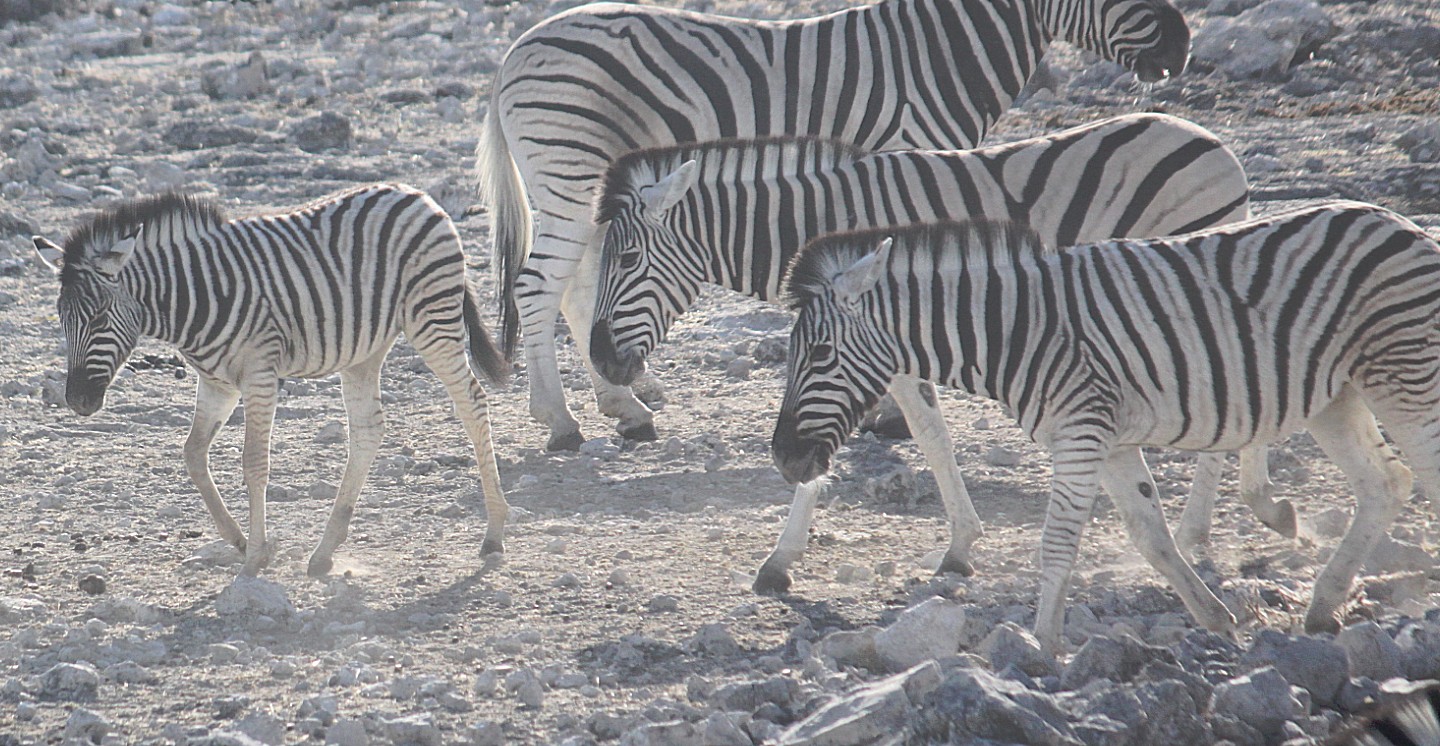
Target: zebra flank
(1325,319)
(326,288)
(584,87)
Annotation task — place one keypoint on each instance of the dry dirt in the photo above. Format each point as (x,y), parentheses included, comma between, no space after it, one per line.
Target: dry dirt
(618,556)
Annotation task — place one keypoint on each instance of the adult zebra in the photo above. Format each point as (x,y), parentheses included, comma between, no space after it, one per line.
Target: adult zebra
(325,288)
(733,213)
(1215,340)
(583,87)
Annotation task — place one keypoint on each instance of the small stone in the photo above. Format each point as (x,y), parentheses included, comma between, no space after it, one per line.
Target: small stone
(566,580)
(714,639)
(1002,457)
(249,599)
(1261,699)
(926,631)
(322,132)
(331,433)
(92,584)
(486,733)
(191,134)
(222,653)
(739,368)
(347,732)
(853,648)
(1319,666)
(70,682)
(229,82)
(1009,644)
(664,603)
(419,730)
(86,727)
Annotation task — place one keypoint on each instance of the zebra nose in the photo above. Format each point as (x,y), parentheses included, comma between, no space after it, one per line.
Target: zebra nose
(85,396)
(621,370)
(798,459)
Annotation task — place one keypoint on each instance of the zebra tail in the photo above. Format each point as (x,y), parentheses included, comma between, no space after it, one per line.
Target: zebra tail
(483,352)
(1411,720)
(510,218)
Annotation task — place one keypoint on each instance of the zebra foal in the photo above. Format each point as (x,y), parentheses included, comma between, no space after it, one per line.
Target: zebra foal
(733,213)
(1215,340)
(587,85)
(322,289)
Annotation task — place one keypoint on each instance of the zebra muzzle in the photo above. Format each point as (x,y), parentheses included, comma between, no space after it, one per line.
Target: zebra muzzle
(798,459)
(85,396)
(621,370)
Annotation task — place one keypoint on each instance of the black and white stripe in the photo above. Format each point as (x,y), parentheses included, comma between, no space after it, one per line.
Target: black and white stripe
(587,85)
(733,213)
(322,289)
(1410,717)
(1215,340)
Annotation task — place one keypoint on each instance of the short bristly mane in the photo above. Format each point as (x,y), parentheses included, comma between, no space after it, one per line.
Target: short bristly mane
(816,265)
(779,156)
(120,220)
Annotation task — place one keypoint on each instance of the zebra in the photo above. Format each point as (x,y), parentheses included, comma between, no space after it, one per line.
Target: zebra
(1214,340)
(733,213)
(587,85)
(322,289)
(1411,719)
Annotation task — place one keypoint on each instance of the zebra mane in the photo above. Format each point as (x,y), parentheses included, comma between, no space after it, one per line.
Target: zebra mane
(113,223)
(761,158)
(977,241)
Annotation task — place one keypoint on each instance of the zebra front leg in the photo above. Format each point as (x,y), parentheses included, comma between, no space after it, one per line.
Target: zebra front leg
(774,576)
(1193,529)
(1256,491)
(636,421)
(1346,431)
(1132,488)
(213,404)
(538,298)
(441,348)
(259,391)
(920,405)
(360,387)
(1072,498)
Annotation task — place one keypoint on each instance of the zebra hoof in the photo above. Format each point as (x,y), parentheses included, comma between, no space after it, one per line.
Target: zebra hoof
(1284,521)
(955,565)
(319,567)
(888,427)
(771,582)
(644,432)
(565,442)
(492,546)
(1317,622)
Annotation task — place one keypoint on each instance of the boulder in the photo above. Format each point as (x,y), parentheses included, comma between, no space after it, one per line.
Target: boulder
(926,631)
(1318,666)
(1261,700)
(868,714)
(1264,41)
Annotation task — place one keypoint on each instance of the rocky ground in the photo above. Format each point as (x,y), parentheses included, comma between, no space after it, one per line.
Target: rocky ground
(622,609)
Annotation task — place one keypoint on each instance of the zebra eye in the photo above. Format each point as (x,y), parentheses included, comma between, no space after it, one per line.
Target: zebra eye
(823,352)
(630,259)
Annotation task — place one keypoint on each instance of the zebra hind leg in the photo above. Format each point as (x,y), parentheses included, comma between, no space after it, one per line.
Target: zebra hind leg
(1347,432)
(538,305)
(636,421)
(259,391)
(1257,491)
(920,405)
(1193,530)
(213,405)
(360,387)
(1132,488)
(442,347)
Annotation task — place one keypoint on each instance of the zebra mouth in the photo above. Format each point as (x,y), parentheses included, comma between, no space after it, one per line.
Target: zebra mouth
(1167,59)
(621,370)
(798,459)
(85,397)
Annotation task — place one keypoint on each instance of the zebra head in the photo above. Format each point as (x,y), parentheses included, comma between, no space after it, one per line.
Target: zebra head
(100,318)
(1148,37)
(841,360)
(645,281)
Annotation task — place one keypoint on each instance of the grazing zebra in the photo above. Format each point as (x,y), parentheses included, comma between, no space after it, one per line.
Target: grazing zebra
(1215,340)
(583,87)
(733,213)
(325,288)
(1412,720)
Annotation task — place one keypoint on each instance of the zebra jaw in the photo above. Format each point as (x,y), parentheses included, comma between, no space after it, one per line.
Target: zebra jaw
(800,460)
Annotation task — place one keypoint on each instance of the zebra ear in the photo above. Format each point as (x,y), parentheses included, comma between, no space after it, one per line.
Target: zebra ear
(111,261)
(51,256)
(861,276)
(667,192)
